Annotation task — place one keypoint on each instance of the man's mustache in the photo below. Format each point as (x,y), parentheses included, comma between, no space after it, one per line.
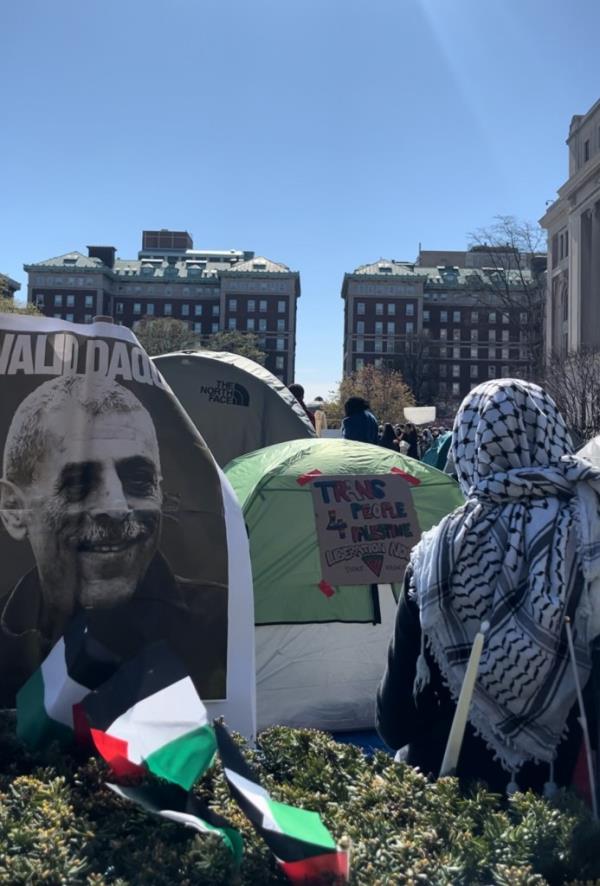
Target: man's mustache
(89,531)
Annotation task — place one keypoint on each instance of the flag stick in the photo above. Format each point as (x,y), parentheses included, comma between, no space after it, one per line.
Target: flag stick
(461,715)
(582,719)
(345,845)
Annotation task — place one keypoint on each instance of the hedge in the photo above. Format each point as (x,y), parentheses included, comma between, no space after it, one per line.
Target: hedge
(60,825)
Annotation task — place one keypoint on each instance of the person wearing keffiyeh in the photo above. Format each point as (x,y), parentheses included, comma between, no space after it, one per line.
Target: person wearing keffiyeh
(522,553)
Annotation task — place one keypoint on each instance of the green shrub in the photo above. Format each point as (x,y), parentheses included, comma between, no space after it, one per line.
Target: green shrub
(60,825)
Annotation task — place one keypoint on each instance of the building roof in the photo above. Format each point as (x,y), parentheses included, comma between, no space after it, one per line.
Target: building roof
(7,282)
(69,260)
(260,264)
(441,277)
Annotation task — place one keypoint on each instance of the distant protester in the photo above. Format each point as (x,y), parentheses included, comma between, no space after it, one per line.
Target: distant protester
(360,423)
(388,437)
(522,554)
(298,392)
(411,437)
(320,416)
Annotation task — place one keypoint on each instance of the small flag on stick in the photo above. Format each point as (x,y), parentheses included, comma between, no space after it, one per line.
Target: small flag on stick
(172,802)
(48,704)
(149,714)
(299,840)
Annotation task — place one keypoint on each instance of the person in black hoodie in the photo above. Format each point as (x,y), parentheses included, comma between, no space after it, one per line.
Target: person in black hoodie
(523,554)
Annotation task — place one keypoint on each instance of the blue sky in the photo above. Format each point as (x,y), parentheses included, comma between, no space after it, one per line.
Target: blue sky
(321,133)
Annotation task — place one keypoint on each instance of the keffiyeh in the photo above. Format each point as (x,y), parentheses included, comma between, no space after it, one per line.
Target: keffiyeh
(520,554)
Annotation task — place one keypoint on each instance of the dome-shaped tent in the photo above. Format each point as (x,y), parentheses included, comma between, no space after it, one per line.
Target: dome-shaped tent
(321,646)
(237,405)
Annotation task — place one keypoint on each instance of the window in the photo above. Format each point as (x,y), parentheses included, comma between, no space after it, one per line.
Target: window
(474,335)
(70,317)
(233,304)
(505,335)
(505,318)
(197,327)
(359,363)
(70,301)
(378,328)
(281,307)
(456,316)
(426,316)
(455,370)
(456,353)
(251,305)
(262,306)
(586,150)
(185,310)
(473,370)
(197,310)
(410,327)
(150,309)
(232,323)
(250,324)
(58,300)
(443,370)
(456,335)
(119,307)
(215,310)
(137,308)
(88,318)
(443,334)
(378,362)
(523,317)
(360,327)
(474,352)
(505,353)
(391,328)
(379,308)
(443,351)
(262,324)
(280,344)
(504,373)
(474,316)
(492,317)
(281,326)
(410,310)
(391,308)
(378,346)
(360,307)
(455,389)
(89,301)
(214,327)
(58,316)
(360,344)
(167,309)
(492,335)
(443,316)
(279,362)
(443,387)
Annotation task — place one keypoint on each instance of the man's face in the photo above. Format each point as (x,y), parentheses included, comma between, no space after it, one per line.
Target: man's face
(94,507)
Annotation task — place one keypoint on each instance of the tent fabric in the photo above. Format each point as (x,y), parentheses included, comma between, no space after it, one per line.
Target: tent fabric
(237,405)
(319,657)
(437,454)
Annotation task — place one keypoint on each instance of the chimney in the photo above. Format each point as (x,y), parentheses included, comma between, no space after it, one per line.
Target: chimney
(106,254)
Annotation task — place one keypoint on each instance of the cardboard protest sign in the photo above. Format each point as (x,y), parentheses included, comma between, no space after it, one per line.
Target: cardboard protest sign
(366,527)
(110,505)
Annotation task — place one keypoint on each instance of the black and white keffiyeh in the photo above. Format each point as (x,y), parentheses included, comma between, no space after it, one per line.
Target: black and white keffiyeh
(520,554)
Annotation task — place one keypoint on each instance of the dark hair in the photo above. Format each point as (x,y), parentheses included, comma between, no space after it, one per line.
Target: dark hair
(354,405)
(297,391)
(389,434)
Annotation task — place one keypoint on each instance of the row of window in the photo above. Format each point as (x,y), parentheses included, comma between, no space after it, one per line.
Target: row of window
(409,308)
(458,316)
(71,317)
(252,324)
(559,247)
(67,301)
(250,305)
(185,310)
(391,346)
(409,327)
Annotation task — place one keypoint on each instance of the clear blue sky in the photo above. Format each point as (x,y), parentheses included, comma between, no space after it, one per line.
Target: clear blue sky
(321,133)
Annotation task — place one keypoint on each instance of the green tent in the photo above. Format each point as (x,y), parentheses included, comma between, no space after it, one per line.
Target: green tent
(297,640)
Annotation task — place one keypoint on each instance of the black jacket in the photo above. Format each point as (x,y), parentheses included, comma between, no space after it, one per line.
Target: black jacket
(421,727)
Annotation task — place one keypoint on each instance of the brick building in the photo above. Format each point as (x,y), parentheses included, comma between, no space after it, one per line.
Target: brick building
(440,320)
(210,290)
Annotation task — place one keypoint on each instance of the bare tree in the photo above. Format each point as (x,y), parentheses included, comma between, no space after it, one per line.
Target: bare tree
(512,254)
(574,382)
(412,360)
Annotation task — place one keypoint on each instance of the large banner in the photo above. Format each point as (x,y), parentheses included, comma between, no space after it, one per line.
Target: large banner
(366,527)
(110,504)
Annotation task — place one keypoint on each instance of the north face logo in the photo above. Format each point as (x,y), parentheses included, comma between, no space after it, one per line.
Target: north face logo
(228,393)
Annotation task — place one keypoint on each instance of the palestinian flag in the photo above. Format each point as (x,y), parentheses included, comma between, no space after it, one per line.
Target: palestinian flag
(149,714)
(299,840)
(174,803)
(48,704)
